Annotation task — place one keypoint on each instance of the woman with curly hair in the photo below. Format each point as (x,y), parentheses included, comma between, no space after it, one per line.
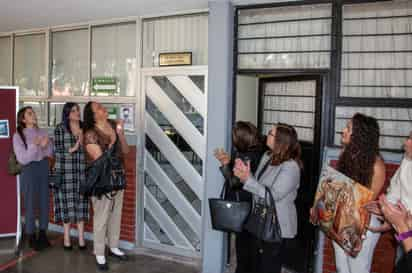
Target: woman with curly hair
(360,160)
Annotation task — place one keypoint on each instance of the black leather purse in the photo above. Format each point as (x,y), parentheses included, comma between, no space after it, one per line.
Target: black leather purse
(226,215)
(263,222)
(104,175)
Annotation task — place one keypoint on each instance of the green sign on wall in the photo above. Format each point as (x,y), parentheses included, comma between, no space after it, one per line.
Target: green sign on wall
(104,86)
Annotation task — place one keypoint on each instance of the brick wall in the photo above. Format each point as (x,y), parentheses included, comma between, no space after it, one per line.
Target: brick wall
(128,225)
(385,251)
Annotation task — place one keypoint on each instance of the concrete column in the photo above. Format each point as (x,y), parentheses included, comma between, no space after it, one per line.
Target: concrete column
(219,117)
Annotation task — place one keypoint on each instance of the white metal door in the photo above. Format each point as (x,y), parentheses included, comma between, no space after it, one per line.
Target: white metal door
(174,138)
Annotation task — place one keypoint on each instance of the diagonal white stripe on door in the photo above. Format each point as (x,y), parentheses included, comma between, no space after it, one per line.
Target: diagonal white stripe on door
(175,116)
(165,222)
(149,235)
(173,194)
(174,156)
(190,91)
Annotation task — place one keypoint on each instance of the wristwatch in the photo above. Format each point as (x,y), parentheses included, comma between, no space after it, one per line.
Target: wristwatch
(404,235)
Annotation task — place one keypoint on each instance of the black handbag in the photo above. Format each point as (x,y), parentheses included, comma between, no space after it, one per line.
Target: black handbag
(263,222)
(226,215)
(104,175)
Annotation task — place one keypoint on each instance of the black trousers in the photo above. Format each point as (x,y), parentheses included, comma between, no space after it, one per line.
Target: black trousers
(244,255)
(267,257)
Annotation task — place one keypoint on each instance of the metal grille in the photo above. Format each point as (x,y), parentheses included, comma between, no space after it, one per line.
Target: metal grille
(175,110)
(284,37)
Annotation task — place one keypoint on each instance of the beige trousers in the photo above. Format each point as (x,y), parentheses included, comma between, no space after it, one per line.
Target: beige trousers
(106,222)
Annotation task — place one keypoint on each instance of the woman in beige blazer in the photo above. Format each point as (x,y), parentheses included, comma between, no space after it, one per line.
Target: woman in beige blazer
(279,170)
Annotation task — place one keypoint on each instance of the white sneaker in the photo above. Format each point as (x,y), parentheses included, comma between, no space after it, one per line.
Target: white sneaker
(100,259)
(116,251)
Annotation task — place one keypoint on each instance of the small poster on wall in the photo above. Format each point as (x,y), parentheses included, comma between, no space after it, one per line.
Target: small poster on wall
(127,115)
(4,128)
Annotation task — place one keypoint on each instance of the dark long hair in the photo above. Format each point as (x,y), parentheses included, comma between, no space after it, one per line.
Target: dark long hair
(88,117)
(67,108)
(21,125)
(286,146)
(246,137)
(358,157)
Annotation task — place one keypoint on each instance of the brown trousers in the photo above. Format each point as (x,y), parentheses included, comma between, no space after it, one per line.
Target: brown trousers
(106,221)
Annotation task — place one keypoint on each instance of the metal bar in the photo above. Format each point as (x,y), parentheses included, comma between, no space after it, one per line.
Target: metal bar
(294,125)
(379,119)
(287,21)
(173,194)
(377,51)
(175,116)
(283,37)
(382,135)
(284,52)
(378,86)
(376,18)
(377,34)
(289,96)
(378,69)
(174,156)
(190,91)
(374,102)
(150,235)
(165,222)
(284,4)
(288,111)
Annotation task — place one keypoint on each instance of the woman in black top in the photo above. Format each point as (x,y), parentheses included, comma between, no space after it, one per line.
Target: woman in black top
(101,136)
(247,144)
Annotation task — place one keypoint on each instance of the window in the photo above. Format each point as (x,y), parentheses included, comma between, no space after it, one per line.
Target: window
(377,50)
(114,56)
(284,37)
(5,58)
(70,65)
(30,65)
(175,34)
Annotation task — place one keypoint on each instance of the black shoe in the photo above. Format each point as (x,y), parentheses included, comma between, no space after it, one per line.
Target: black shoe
(83,247)
(43,241)
(120,257)
(102,267)
(33,243)
(68,248)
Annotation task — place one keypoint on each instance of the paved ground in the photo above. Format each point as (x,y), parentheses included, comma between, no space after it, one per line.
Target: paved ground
(56,260)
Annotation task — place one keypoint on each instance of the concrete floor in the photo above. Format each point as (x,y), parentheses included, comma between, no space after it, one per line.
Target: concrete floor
(56,260)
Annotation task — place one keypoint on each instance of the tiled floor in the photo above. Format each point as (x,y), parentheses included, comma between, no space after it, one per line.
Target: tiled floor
(56,260)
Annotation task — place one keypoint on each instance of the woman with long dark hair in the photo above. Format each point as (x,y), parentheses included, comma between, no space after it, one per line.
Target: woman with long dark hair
(69,206)
(361,161)
(279,170)
(247,143)
(100,136)
(32,147)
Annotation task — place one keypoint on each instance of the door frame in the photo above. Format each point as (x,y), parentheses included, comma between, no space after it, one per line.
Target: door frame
(318,107)
(141,144)
(324,113)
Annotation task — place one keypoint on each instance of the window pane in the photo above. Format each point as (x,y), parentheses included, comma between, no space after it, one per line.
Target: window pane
(5,60)
(70,63)
(175,34)
(114,57)
(40,108)
(395,124)
(30,65)
(376,58)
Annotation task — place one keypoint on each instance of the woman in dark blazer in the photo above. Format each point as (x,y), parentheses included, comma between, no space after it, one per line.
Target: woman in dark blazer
(248,146)
(279,170)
